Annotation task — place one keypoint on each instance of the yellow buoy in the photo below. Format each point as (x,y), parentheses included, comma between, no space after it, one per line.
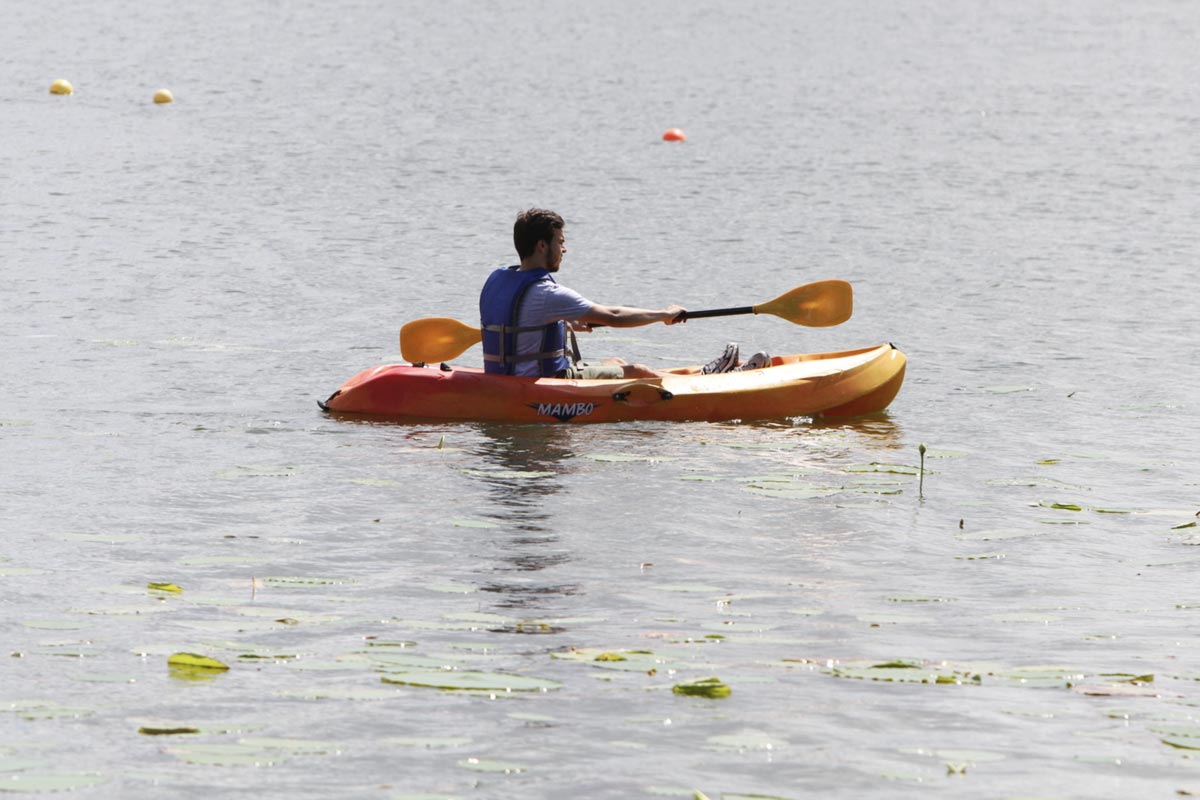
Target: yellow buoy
(164,96)
(61,86)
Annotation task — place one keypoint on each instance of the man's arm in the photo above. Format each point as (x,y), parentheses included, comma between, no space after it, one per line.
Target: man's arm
(627,317)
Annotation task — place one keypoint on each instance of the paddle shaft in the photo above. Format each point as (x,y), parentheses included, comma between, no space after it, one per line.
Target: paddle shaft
(716,312)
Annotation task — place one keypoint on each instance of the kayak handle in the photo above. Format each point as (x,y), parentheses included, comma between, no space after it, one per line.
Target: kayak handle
(636,395)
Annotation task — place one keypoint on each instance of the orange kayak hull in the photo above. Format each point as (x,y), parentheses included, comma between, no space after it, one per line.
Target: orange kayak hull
(842,384)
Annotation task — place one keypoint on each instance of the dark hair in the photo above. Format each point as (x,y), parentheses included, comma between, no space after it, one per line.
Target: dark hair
(533,226)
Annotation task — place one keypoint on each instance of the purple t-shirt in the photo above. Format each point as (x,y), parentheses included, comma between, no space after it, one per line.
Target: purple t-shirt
(545,302)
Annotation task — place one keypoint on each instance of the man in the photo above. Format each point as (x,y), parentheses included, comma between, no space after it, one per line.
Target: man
(525,312)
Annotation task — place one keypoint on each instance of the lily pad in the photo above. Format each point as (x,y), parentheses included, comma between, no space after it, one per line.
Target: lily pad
(999,535)
(293,746)
(746,740)
(891,469)
(252,471)
(227,755)
(31,783)
(305,581)
(452,588)
(703,687)
(190,661)
(1005,389)
(20,572)
(360,693)
(38,710)
(471,681)
(488,765)
(509,474)
(792,492)
(429,742)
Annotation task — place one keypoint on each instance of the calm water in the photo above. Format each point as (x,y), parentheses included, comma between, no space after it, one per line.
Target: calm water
(1013,193)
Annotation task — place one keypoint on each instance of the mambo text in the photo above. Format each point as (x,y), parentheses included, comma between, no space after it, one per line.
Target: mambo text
(563,411)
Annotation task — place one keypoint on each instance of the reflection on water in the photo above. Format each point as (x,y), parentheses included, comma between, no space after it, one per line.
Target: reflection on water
(873,430)
(523,464)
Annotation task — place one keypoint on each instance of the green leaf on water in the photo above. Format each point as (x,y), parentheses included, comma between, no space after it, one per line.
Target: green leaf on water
(746,740)
(935,453)
(429,742)
(892,469)
(299,747)
(403,662)
(8,764)
(1182,744)
(472,523)
(792,492)
(305,581)
(194,661)
(29,783)
(1184,525)
(355,693)
(610,657)
(226,755)
(980,556)
(53,625)
(488,765)
(999,535)
(165,587)
(33,710)
(472,681)
(1062,506)
(20,572)
(149,730)
(703,687)
(509,474)
(452,588)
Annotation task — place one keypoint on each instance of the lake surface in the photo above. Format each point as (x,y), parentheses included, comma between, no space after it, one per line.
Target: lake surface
(1012,190)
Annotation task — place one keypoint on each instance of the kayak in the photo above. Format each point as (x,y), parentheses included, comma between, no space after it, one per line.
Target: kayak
(841,384)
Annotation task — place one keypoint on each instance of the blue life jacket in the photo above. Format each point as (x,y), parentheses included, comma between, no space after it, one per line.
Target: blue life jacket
(499,308)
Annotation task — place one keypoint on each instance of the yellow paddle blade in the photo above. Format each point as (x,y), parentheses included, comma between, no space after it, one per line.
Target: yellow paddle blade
(817,305)
(436,339)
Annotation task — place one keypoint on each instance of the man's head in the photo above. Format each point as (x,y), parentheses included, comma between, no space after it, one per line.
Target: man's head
(538,233)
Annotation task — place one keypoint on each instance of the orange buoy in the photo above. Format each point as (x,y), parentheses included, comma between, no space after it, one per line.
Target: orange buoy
(674,135)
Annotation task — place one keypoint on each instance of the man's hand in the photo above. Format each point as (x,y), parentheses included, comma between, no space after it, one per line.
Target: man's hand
(675,312)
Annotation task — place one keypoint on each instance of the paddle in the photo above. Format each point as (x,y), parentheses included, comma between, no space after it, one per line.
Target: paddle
(817,305)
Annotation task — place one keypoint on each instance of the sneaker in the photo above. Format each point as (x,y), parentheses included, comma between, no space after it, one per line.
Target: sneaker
(756,361)
(723,362)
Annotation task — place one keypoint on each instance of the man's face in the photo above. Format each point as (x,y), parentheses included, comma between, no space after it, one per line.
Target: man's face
(555,251)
